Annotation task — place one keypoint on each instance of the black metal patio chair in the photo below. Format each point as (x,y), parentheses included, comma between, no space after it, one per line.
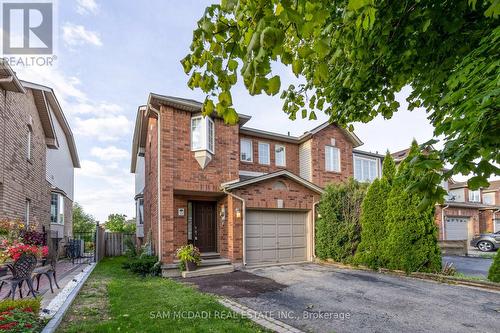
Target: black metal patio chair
(22,271)
(48,270)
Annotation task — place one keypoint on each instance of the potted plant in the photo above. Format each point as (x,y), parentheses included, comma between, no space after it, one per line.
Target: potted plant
(190,256)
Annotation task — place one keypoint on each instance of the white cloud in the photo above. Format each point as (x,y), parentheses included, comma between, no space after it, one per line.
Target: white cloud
(74,35)
(98,109)
(108,128)
(84,7)
(109,153)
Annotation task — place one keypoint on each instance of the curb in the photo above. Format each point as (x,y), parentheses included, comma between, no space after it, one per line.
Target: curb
(54,323)
(264,321)
(486,285)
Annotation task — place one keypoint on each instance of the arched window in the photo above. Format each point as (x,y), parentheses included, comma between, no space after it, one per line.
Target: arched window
(279,185)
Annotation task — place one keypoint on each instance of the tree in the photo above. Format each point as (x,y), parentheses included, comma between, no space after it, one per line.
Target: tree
(119,223)
(338,228)
(82,222)
(494,272)
(411,242)
(373,210)
(353,57)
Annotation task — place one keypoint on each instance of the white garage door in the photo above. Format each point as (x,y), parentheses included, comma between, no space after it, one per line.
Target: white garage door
(275,237)
(497,224)
(457,228)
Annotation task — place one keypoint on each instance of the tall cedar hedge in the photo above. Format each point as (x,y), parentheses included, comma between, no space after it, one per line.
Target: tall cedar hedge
(338,229)
(411,244)
(494,272)
(373,228)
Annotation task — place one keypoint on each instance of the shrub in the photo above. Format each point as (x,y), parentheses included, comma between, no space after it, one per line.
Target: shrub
(373,209)
(131,249)
(411,244)
(31,303)
(188,253)
(144,265)
(20,320)
(338,229)
(494,272)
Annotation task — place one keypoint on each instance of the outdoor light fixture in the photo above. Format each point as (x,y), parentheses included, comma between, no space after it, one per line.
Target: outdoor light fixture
(238,213)
(222,213)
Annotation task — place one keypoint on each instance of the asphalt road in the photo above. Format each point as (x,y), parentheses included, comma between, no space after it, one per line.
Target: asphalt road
(325,299)
(470,266)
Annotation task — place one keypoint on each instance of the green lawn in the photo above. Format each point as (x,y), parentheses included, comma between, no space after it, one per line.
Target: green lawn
(115,300)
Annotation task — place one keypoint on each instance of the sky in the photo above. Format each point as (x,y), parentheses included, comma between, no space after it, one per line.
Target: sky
(112,53)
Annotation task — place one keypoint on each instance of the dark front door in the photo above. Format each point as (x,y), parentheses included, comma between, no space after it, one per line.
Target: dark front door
(205,227)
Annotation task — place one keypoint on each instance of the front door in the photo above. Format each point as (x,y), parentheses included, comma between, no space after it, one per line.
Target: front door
(205,226)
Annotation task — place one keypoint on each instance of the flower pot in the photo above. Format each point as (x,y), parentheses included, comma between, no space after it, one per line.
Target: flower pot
(190,266)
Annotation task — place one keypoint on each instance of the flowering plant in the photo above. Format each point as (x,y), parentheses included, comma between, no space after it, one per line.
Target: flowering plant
(19,320)
(16,250)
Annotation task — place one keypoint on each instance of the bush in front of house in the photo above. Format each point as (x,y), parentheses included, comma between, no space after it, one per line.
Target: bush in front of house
(373,228)
(494,272)
(20,315)
(143,265)
(411,244)
(338,227)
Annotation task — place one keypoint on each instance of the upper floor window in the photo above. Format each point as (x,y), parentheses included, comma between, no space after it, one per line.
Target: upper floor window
(246,150)
(264,154)
(489,198)
(475,196)
(29,143)
(280,155)
(202,134)
(332,159)
(365,169)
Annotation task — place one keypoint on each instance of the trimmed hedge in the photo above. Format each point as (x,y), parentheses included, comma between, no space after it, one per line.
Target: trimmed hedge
(373,226)
(494,272)
(411,244)
(338,229)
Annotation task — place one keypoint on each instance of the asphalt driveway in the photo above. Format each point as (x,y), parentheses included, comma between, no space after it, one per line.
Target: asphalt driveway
(325,299)
(470,266)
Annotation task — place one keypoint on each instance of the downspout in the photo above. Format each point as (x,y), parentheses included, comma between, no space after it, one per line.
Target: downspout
(314,230)
(158,138)
(442,221)
(244,212)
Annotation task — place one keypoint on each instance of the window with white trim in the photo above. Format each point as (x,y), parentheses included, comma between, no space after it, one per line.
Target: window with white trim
(29,143)
(246,150)
(280,155)
(264,153)
(365,169)
(140,211)
(475,196)
(332,159)
(27,212)
(56,208)
(202,134)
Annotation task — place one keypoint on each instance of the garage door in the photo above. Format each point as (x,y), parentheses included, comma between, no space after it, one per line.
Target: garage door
(456,228)
(275,237)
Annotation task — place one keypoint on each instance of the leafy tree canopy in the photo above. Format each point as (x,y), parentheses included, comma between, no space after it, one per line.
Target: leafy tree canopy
(82,222)
(354,56)
(119,223)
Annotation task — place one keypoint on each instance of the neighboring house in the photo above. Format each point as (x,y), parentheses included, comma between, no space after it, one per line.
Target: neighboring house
(37,156)
(245,194)
(465,213)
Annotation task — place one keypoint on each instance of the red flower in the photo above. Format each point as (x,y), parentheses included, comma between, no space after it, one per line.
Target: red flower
(28,325)
(28,309)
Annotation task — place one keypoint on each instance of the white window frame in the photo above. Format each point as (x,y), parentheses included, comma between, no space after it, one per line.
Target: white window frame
(276,146)
(29,143)
(140,211)
(59,209)
(251,150)
(367,159)
(327,162)
(27,212)
(268,153)
(207,134)
(473,194)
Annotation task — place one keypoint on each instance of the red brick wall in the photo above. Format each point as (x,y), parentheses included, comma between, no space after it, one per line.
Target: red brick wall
(21,179)
(486,221)
(320,176)
(291,152)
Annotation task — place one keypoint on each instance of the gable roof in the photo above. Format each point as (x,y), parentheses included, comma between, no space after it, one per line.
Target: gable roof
(45,98)
(282,173)
(9,80)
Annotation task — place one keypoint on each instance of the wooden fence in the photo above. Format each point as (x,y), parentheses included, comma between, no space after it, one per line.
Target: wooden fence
(111,244)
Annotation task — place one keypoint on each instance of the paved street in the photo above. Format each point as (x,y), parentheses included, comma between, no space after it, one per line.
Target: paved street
(372,302)
(471,266)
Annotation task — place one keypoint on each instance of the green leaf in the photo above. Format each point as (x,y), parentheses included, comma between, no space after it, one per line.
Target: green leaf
(207,107)
(273,85)
(297,66)
(279,9)
(225,98)
(357,4)
(232,64)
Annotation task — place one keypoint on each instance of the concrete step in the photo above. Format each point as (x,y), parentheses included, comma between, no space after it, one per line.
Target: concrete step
(211,270)
(210,255)
(214,262)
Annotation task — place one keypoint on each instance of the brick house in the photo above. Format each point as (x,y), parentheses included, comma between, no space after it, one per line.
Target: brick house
(465,213)
(37,156)
(245,194)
